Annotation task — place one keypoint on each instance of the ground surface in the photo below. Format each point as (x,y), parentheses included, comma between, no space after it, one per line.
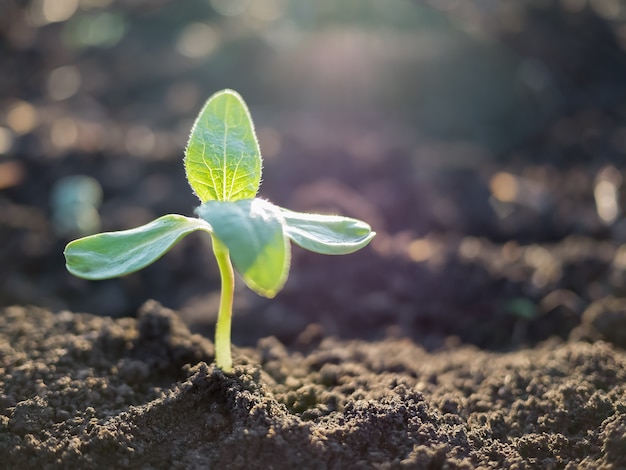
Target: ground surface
(485,325)
(80,391)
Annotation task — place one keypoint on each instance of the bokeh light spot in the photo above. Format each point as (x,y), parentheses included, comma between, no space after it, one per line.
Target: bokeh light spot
(609,9)
(11,174)
(606,194)
(197,40)
(619,260)
(63,82)
(606,201)
(140,141)
(538,257)
(420,250)
(470,248)
(269,10)
(75,200)
(22,117)
(101,29)
(229,7)
(511,251)
(43,12)
(64,133)
(504,187)
(6,140)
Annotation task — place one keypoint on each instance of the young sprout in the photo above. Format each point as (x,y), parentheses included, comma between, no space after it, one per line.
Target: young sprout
(223,166)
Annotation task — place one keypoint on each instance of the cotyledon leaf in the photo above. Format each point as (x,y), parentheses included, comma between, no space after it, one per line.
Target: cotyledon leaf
(327,234)
(253,231)
(222,159)
(112,254)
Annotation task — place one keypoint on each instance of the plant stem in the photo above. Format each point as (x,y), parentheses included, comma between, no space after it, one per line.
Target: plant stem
(223,356)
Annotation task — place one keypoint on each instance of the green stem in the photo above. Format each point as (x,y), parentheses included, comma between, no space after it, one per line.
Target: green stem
(223,356)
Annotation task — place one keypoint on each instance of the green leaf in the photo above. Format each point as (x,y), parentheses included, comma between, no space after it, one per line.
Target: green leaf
(223,160)
(113,254)
(252,229)
(327,234)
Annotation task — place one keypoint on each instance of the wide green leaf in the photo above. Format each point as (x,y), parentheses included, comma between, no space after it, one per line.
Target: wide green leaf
(222,159)
(327,234)
(252,229)
(113,254)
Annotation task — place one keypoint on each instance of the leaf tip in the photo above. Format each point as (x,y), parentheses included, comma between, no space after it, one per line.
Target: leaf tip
(222,156)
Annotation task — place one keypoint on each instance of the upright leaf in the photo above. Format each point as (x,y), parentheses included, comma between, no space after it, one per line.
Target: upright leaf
(222,159)
(252,229)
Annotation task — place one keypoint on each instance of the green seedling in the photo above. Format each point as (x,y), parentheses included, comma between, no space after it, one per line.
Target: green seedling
(223,166)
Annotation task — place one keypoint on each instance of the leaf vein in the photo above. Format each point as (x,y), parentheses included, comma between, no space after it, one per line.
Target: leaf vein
(225,155)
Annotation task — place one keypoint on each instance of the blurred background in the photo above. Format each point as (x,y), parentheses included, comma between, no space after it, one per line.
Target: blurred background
(484,140)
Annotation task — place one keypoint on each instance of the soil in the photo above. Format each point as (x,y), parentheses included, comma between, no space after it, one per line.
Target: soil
(81,391)
(485,325)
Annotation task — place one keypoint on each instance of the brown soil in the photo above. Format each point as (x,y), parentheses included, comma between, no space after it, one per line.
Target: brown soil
(79,391)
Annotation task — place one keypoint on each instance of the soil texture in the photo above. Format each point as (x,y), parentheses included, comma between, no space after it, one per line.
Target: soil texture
(80,391)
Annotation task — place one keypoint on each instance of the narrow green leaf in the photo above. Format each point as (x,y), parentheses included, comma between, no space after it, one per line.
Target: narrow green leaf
(222,159)
(113,254)
(252,229)
(327,234)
